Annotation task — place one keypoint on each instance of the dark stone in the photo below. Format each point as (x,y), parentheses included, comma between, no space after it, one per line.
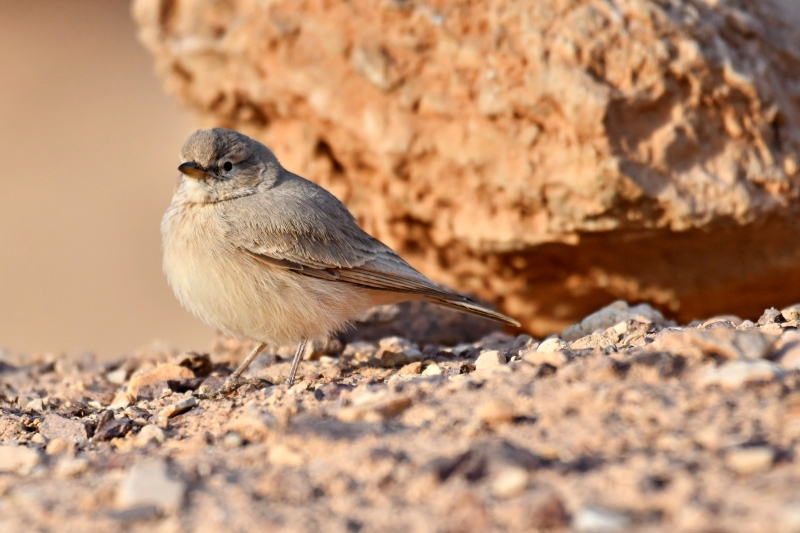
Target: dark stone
(118,428)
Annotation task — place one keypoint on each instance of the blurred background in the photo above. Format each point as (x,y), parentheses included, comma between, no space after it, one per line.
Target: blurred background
(488,170)
(89,143)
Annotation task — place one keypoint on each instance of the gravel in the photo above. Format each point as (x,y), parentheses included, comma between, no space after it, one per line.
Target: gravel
(667,428)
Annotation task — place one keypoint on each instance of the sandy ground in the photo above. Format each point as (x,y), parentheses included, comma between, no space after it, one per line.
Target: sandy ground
(626,423)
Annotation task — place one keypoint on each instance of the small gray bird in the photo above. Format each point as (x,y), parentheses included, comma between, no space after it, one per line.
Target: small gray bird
(260,253)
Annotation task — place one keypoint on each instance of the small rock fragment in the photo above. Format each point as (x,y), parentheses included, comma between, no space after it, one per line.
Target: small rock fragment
(609,316)
(38,438)
(552,344)
(177,408)
(232,440)
(750,460)
(58,427)
(69,467)
(770,316)
(535,357)
(199,363)
(791,313)
(147,483)
(121,401)
(510,482)
(164,372)
(58,446)
(490,359)
(375,411)
(17,459)
(739,373)
(495,412)
(253,424)
(599,520)
(149,433)
(411,368)
(117,376)
(114,429)
(283,455)
(432,370)
(546,510)
(35,405)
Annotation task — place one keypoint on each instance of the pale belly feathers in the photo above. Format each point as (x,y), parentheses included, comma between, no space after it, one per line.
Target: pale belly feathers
(243,297)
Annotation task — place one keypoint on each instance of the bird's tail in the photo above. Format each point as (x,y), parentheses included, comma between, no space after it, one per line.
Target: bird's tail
(465,305)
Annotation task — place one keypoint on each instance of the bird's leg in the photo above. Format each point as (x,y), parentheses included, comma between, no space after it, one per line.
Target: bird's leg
(230,383)
(296,362)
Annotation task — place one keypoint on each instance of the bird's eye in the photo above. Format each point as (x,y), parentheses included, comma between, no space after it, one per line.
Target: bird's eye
(227,166)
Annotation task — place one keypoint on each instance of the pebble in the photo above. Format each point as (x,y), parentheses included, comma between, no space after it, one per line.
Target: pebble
(232,440)
(411,368)
(147,483)
(791,313)
(35,405)
(283,455)
(736,374)
(122,400)
(553,344)
(432,370)
(69,467)
(595,340)
(149,433)
(490,359)
(58,446)
(17,459)
(58,427)
(114,429)
(375,411)
(750,460)
(788,350)
(38,438)
(177,408)
(165,372)
(117,376)
(253,424)
(510,482)
(495,412)
(599,520)
(556,358)
(611,315)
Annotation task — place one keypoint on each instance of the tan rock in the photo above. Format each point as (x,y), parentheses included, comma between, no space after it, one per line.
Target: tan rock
(619,147)
(495,412)
(550,345)
(59,446)
(17,459)
(510,482)
(750,460)
(161,373)
(432,370)
(412,368)
(535,357)
(736,374)
(375,410)
(490,359)
(177,408)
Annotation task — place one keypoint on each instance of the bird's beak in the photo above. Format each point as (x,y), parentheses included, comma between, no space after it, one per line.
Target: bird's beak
(190,169)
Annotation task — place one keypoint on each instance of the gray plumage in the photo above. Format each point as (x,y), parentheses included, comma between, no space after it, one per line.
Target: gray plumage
(261,253)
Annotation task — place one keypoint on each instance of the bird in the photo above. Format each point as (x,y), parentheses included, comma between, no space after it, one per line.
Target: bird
(260,253)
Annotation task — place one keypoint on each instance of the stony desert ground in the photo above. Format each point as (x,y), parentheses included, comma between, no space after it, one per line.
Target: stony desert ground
(626,422)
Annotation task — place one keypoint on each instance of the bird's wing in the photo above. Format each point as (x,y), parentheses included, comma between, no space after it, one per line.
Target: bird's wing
(299,226)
